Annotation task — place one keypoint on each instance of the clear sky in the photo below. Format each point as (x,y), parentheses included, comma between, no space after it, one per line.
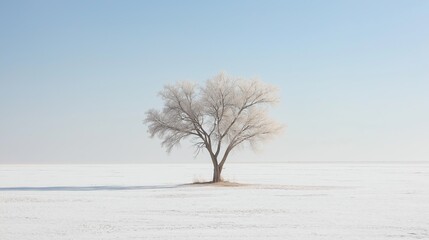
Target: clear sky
(76,77)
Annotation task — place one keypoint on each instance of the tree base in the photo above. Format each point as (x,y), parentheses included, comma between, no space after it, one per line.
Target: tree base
(220,184)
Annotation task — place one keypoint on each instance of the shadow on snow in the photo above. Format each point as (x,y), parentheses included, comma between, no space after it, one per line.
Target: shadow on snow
(90,188)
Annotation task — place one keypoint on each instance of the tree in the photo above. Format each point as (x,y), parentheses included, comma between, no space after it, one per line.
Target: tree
(220,116)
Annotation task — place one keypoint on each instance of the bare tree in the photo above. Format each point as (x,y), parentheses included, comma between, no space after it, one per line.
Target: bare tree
(220,116)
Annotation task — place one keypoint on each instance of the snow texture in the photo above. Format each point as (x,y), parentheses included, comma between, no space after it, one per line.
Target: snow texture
(276,201)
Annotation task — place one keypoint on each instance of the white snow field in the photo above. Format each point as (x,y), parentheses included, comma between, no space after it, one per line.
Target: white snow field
(149,201)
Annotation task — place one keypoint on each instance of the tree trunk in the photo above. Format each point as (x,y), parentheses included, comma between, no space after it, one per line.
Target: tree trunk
(216,174)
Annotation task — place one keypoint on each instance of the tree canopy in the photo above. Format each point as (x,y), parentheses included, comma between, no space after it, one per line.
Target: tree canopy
(224,113)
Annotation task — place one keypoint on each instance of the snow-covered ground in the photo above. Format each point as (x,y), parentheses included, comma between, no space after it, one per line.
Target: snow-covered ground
(148,201)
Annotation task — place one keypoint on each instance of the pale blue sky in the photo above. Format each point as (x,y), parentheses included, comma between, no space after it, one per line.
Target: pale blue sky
(76,77)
